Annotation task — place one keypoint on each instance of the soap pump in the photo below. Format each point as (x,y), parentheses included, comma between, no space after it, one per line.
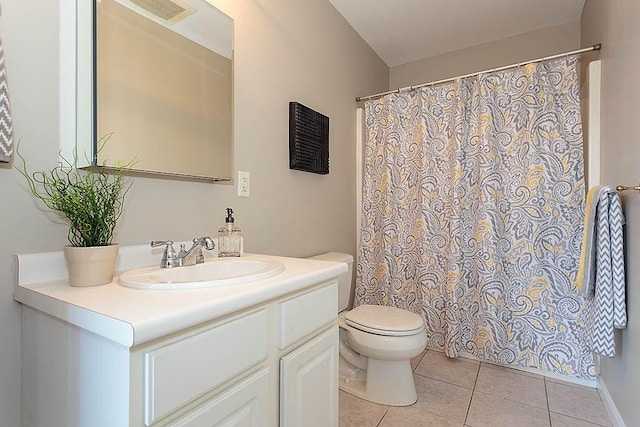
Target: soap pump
(229,237)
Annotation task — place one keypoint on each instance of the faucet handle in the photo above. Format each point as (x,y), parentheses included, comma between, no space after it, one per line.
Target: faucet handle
(156,243)
(169,256)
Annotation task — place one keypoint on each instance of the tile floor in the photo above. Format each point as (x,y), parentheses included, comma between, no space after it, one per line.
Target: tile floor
(463,392)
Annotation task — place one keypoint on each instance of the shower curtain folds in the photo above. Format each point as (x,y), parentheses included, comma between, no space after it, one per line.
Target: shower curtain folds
(473,200)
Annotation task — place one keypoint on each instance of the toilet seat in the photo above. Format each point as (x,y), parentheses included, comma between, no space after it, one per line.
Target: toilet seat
(383,320)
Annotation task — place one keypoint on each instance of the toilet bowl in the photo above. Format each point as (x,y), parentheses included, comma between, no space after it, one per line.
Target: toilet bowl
(376,346)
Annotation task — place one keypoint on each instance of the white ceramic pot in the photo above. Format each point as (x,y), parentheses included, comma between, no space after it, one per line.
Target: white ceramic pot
(91,266)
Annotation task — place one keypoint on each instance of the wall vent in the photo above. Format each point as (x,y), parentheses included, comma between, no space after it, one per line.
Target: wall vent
(167,10)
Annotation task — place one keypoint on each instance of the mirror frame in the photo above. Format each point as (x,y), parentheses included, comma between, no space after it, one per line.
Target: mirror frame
(76,81)
(77,92)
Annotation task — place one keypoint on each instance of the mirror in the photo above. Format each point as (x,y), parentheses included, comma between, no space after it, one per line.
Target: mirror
(160,78)
(163,86)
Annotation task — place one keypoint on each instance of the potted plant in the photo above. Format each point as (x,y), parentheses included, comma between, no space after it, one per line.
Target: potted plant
(91,201)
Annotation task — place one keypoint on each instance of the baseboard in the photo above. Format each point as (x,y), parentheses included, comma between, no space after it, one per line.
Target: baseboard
(609,404)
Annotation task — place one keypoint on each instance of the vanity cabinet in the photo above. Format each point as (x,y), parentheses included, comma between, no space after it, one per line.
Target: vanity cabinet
(271,363)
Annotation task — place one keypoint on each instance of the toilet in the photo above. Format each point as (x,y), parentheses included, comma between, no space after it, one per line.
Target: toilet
(376,345)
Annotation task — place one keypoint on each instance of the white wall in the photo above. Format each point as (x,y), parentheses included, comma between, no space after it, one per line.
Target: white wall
(615,24)
(285,51)
(507,51)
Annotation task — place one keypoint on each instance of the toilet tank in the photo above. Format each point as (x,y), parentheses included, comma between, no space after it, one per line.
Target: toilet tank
(345,281)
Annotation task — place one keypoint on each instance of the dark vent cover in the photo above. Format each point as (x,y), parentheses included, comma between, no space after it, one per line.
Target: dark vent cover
(308,139)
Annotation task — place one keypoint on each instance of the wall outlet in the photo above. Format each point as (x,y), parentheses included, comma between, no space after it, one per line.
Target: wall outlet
(243,183)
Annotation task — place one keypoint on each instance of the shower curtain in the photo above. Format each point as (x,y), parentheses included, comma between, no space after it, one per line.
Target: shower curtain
(473,202)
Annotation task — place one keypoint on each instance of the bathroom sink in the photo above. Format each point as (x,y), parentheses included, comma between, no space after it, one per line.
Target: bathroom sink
(213,272)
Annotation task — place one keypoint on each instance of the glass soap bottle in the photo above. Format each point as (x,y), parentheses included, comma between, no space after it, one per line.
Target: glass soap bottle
(229,237)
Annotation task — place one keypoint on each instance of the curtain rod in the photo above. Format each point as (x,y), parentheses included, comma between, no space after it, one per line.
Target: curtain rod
(506,67)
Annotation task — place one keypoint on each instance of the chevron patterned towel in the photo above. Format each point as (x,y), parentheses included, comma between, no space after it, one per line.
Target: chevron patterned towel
(6,122)
(606,305)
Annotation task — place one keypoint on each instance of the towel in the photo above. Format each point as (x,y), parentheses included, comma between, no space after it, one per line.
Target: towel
(586,269)
(601,274)
(6,123)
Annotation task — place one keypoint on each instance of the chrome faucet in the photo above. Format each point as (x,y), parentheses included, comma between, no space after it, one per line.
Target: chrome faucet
(171,259)
(194,255)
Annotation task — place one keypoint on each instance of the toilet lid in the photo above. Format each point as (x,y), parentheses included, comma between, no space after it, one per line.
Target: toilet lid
(382,320)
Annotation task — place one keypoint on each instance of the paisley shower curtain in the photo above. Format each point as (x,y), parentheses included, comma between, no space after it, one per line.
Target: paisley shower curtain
(473,202)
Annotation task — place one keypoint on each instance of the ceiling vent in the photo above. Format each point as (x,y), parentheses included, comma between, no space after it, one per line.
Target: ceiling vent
(169,11)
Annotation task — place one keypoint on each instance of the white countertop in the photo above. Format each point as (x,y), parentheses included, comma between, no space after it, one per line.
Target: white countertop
(132,316)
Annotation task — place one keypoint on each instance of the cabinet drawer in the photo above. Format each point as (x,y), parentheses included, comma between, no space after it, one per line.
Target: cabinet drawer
(245,404)
(180,372)
(306,313)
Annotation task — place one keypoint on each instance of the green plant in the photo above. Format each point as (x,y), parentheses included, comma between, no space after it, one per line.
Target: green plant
(91,199)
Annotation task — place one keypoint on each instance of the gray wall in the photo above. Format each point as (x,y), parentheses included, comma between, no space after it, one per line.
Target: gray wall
(285,51)
(507,51)
(615,24)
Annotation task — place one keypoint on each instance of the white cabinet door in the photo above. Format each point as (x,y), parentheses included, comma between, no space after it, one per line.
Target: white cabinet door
(309,383)
(244,405)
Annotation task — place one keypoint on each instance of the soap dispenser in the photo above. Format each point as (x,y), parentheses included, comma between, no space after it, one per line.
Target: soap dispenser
(229,237)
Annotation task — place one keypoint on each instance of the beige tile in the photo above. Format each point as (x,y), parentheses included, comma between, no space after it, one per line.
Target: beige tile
(567,383)
(416,360)
(412,416)
(453,371)
(493,411)
(577,402)
(467,357)
(558,420)
(512,386)
(355,412)
(443,399)
(511,369)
